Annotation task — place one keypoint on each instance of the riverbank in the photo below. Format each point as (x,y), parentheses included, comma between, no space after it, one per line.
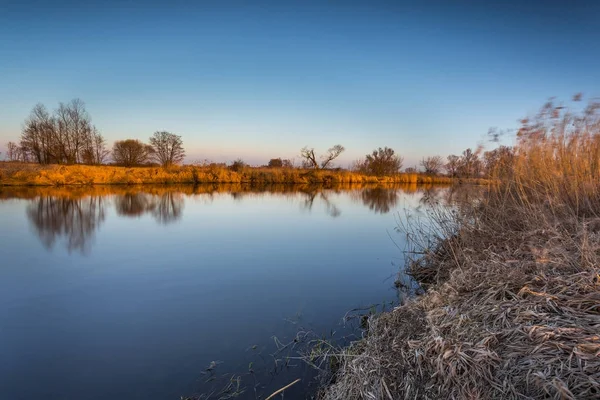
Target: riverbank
(511,308)
(19,174)
(511,311)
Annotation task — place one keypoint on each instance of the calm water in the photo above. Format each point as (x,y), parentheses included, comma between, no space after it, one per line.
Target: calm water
(131,293)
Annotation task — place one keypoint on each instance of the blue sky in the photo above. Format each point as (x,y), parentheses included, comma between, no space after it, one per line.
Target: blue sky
(258,80)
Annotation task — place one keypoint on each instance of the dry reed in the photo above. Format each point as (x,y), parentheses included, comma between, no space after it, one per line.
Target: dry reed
(58,175)
(512,309)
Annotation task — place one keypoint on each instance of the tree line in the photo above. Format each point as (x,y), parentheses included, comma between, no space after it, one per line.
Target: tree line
(67,136)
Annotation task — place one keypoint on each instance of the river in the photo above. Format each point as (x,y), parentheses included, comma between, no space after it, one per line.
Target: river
(122,292)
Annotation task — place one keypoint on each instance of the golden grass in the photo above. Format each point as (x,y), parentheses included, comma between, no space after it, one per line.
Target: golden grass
(512,307)
(57,175)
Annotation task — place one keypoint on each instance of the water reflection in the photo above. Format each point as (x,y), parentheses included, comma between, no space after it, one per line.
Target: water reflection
(76,213)
(134,204)
(380,200)
(74,219)
(169,208)
(309,199)
(166,207)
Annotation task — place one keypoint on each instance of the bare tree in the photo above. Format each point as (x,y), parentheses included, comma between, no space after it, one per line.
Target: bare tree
(66,137)
(38,138)
(498,163)
(452,165)
(332,154)
(383,162)
(168,148)
(359,165)
(94,150)
(470,165)
(73,126)
(310,159)
(13,152)
(238,165)
(432,165)
(131,152)
(275,163)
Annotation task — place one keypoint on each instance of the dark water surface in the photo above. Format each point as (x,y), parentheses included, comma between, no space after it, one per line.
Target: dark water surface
(132,292)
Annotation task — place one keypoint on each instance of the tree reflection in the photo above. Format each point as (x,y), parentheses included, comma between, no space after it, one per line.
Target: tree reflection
(134,204)
(309,198)
(169,208)
(74,219)
(380,200)
(166,207)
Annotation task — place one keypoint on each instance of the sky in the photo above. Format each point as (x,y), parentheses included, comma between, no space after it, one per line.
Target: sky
(260,80)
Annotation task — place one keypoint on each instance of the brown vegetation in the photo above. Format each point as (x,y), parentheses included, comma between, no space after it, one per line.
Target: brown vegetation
(512,308)
(56,175)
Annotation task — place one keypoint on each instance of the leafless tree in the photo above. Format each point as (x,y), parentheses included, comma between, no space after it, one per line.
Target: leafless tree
(13,152)
(310,159)
(238,165)
(131,152)
(452,165)
(382,162)
(498,163)
(470,165)
(432,165)
(73,127)
(168,148)
(66,137)
(94,149)
(275,163)
(38,137)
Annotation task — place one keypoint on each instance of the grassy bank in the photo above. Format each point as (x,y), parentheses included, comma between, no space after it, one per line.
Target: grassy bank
(512,306)
(56,175)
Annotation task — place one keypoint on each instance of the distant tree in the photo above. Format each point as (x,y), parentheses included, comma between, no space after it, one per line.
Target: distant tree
(383,162)
(359,165)
(238,165)
(452,165)
(411,170)
(168,148)
(498,163)
(469,165)
(131,152)
(310,159)
(432,165)
(72,126)
(94,149)
(13,152)
(67,137)
(287,163)
(275,163)
(38,137)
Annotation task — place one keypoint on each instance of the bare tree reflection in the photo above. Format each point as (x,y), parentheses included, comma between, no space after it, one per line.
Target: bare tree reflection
(74,219)
(169,208)
(380,200)
(134,204)
(166,207)
(309,198)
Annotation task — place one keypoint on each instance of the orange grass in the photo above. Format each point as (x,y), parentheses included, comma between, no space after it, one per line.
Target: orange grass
(57,175)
